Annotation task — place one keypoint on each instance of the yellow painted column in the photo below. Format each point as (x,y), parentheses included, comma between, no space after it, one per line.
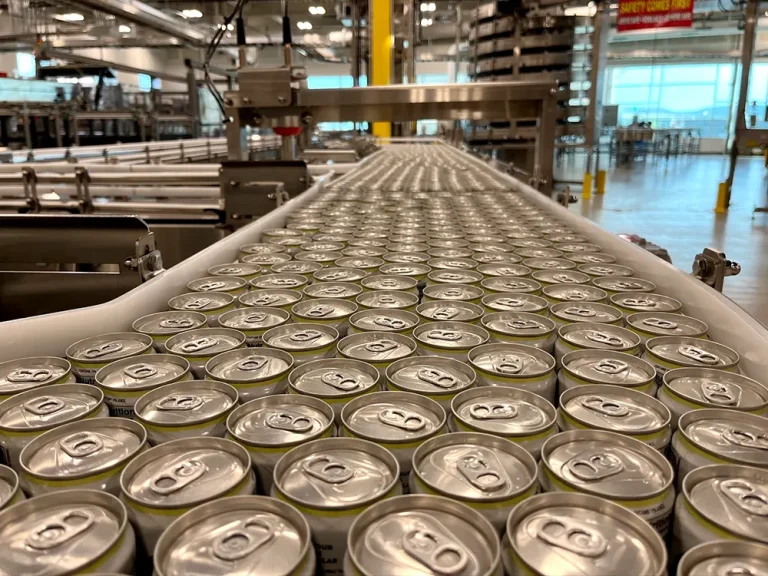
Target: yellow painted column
(600,188)
(380,12)
(721,207)
(586,188)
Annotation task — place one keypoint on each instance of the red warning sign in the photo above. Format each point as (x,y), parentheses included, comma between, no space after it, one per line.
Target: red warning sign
(648,14)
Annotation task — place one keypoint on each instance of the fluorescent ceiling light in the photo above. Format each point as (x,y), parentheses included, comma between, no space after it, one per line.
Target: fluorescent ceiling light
(123,29)
(304,25)
(194,13)
(428,7)
(426,22)
(70,17)
(316,10)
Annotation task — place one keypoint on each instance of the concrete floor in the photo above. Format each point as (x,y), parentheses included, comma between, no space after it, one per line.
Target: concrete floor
(671,204)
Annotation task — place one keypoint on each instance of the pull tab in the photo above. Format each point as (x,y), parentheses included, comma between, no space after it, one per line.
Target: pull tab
(180,402)
(61,528)
(563,278)
(507,271)
(199,344)
(256,318)
(284,282)
(213,285)
(493,411)
(196,304)
(237,543)
(439,555)
(698,355)
(512,285)
(30,375)
(450,277)
(305,335)
(610,366)
(743,493)
(103,350)
(252,363)
(389,322)
(445,335)
(659,323)
(401,269)
(720,393)
(572,536)
(575,295)
(602,270)
(624,285)
(481,473)
(580,312)
(230,271)
(602,406)
(333,276)
(437,378)
(454,293)
(319,311)
(510,302)
(644,302)
(177,476)
(266,300)
(746,439)
(331,291)
(740,569)
(176,323)
(403,419)
(296,268)
(389,284)
(340,381)
(595,467)
(81,444)
(605,338)
(327,469)
(524,325)
(43,405)
(508,364)
(289,421)
(385,300)
(381,346)
(445,313)
(140,371)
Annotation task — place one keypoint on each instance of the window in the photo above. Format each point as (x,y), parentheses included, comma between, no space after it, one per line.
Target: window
(25,65)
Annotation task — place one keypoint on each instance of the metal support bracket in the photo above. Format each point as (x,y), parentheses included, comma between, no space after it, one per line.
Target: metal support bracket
(148,261)
(29,178)
(82,185)
(712,267)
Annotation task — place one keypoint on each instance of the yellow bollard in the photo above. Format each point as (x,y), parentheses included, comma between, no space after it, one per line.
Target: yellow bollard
(586,190)
(720,207)
(600,182)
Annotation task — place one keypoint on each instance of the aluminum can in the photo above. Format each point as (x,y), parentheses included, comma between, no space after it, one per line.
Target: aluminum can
(448,339)
(686,389)
(280,281)
(332,481)
(379,349)
(267,260)
(318,246)
(199,346)
(616,409)
(381,535)
(456,311)
(227,284)
(417,270)
(270,426)
(453,252)
(719,502)
(271,298)
(383,320)
(517,366)
(573,293)
(334,380)
(403,247)
(616,285)
(503,302)
(405,258)
(452,277)
(577,247)
(253,373)
(10,490)
(124,381)
(561,533)
(717,436)
(262,248)
(254,321)
(370,264)
(305,342)
(539,253)
(376,251)
(529,243)
(89,355)
(330,312)
(345,239)
(390,282)
(520,416)
(590,258)
(521,328)
(670,352)
(592,312)
(724,556)
(186,410)
(452,263)
(550,277)
(632,302)
(162,325)
(436,377)
(389,299)
(85,455)
(488,473)
(237,536)
(549,264)
(592,336)
(73,532)
(510,285)
(496,258)
(453,293)
(17,376)
(168,480)
(238,269)
(295,267)
(588,367)
(212,304)
(649,325)
(596,270)
(291,244)
(351,275)
(342,290)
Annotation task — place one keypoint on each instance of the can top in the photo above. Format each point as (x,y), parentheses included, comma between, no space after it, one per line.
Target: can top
(646,302)
(280,420)
(622,284)
(571,238)
(549,263)
(490,247)
(319,246)
(185,403)
(544,253)
(236,536)
(287,241)
(333,377)
(599,336)
(319,256)
(606,464)
(728,434)
(389,282)
(667,324)
(433,375)
(261,248)
(457,292)
(270,297)
(712,388)
(590,258)
(496,257)
(249,365)
(376,347)
(109,347)
(49,406)
(280,232)
(560,276)
(615,409)
(387,299)
(393,417)
(511,360)
(503,411)
(605,269)
(593,312)
(287,281)
(455,276)
(169,322)
(184,473)
(570,534)
(451,335)
(515,302)
(142,373)
(504,269)
(518,324)
(9,485)
(295,267)
(267,259)
(197,302)
(60,533)
(695,352)
(456,311)
(450,253)
(733,498)
(254,318)
(300,336)
(323,309)
(240,269)
(407,247)
(383,320)
(725,557)
(474,467)
(529,243)
(411,258)
(204,342)
(452,263)
(405,269)
(339,275)
(511,284)
(217,284)
(28,373)
(83,449)
(325,237)
(577,247)
(574,293)
(359,262)
(607,367)
(332,290)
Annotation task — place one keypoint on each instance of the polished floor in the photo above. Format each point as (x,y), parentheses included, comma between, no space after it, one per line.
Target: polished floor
(671,204)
